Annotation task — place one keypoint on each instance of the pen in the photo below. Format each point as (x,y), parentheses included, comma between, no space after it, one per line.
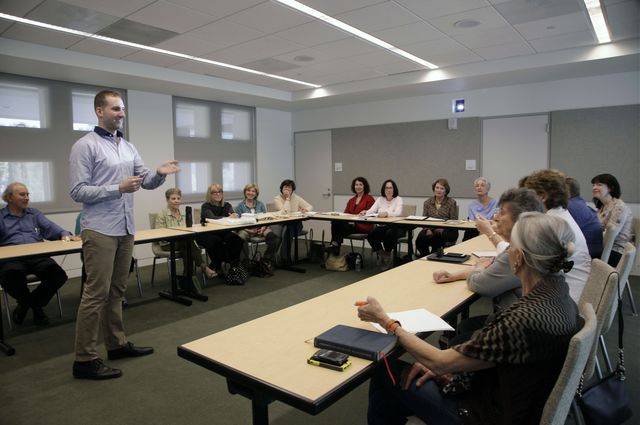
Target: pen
(360,303)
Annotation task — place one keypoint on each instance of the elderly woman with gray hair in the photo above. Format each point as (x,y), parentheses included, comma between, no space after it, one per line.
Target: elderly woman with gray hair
(483,206)
(511,364)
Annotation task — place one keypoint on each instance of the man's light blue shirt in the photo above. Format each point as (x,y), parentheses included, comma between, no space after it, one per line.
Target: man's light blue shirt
(32,226)
(97,166)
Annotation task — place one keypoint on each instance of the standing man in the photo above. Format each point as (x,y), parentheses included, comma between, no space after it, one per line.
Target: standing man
(20,224)
(105,170)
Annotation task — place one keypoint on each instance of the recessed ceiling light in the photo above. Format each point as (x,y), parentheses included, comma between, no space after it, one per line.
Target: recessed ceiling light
(303,58)
(149,48)
(598,21)
(354,31)
(466,23)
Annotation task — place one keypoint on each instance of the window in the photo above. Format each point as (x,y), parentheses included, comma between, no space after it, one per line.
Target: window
(35,175)
(194,177)
(236,124)
(235,175)
(39,156)
(215,143)
(192,120)
(22,105)
(84,117)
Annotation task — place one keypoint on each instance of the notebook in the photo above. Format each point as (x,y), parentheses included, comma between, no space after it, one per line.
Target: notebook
(356,342)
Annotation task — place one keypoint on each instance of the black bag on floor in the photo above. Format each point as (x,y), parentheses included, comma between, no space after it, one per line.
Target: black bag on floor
(237,274)
(316,249)
(261,267)
(352,258)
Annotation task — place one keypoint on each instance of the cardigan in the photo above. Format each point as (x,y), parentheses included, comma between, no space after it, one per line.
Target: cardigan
(365,203)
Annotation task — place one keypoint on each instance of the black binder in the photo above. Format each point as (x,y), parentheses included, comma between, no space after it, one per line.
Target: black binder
(356,342)
(456,258)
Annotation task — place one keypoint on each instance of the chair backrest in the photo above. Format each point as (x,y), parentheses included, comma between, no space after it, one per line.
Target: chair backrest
(196,215)
(601,291)
(152,220)
(624,269)
(408,209)
(635,222)
(271,207)
(562,395)
(610,233)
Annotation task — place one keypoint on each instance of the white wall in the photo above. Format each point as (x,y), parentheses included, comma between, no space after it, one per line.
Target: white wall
(609,90)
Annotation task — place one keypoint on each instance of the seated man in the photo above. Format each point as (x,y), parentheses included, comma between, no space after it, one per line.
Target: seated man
(20,224)
(586,218)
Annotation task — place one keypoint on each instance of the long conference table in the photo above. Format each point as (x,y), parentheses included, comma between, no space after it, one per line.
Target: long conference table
(265,359)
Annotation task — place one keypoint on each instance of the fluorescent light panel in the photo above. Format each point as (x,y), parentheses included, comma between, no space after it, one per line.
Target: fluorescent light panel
(151,49)
(354,31)
(594,9)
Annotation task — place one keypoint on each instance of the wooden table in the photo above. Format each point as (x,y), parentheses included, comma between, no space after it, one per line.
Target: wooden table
(265,359)
(59,247)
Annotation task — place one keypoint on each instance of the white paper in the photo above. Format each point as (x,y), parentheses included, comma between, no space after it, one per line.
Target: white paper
(416,217)
(229,221)
(484,254)
(415,321)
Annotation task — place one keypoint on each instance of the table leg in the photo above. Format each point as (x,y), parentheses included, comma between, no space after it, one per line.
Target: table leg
(291,230)
(173,294)
(259,402)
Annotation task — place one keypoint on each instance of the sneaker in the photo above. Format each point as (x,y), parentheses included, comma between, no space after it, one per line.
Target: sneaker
(94,369)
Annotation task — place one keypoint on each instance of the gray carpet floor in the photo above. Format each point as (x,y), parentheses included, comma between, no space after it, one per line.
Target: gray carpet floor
(36,386)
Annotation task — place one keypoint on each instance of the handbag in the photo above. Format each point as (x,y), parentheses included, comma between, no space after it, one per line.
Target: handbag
(336,263)
(261,267)
(353,258)
(607,401)
(237,274)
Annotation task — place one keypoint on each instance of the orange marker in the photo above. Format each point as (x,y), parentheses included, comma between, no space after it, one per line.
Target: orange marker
(360,303)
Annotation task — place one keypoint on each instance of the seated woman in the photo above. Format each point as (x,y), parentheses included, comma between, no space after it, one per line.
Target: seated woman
(439,206)
(612,209)
(493,277)
(360,202)
(224,246)
(383,239)
(288,202)
(252,205)
(171,217)
(483,206)
(515,358)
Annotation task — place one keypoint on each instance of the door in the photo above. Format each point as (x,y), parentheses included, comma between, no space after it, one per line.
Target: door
(512,148)
(313,176)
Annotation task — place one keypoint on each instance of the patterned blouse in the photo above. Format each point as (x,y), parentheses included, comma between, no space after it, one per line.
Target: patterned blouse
(528,343)
(619,213)
(446,211)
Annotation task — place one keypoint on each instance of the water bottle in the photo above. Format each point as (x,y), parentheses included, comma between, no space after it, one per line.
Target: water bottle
(188,217)
(358,263)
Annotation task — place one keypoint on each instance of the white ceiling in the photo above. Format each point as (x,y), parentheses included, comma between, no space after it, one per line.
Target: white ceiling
(516,41)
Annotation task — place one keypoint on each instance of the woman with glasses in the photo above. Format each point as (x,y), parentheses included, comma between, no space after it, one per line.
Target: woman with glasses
(224,246)
(383,239)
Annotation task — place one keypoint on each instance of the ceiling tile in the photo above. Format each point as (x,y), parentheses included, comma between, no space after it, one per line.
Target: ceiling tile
(41,36)
(119,8)
(170,17)
(378,17)
(189,45)
(225,33)
(255,49)
(377,58)
(445,52)
(269,17)
(70,16)
(507,50)
(18,7)
(399,67)
(136,32)
(563,41)
(4,25)
(207,69)
(334,7)
(624,19)
(411,33)
(486,16)
(152,58)
(217,8)
(520,11)
(312,34)
(491,37)
(274,83)
(102,48)
(551,27)
(429,9)
(347,76)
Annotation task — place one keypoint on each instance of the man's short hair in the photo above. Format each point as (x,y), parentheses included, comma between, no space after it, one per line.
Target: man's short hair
(9,190)
(100,101)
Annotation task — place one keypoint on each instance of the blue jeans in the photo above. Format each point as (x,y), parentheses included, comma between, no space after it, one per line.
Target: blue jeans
(390,405)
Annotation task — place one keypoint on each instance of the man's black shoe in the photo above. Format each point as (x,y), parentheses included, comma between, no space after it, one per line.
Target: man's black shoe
(19,314)
(94,369)
(128,350)
(39,317)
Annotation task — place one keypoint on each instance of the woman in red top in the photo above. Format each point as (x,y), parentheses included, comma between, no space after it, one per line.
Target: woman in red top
(362,201)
